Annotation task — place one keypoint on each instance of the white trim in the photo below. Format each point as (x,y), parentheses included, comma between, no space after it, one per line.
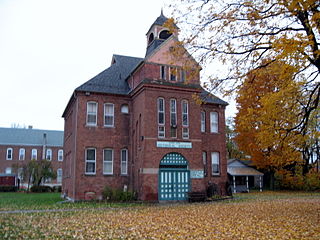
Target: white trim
(59,178)
(105,161)
(60,153)
(34,152)
(23,155)
(185,113)
(163,111)
(11,154)
(214,122)
(108,114)
(49,154)
(215,160)
(203,121)
(90,161)
(95,112)
(125,162)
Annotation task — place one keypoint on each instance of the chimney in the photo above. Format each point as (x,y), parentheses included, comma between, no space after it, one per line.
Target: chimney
(30,127)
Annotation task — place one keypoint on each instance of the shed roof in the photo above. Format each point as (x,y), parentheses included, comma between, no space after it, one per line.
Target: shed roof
(210,98)
(30,137)
(237,168)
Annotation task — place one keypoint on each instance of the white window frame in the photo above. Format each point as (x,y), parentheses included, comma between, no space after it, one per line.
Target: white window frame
(8,170)
(163,72)
(161,131)
(60,155)
(111,115)
(125,109)
(108,161)
(49,154)
(185,133)
(124,162)
(185,114)
(182,75)
(34,152)
(93,113)
(90,161)
(215,160)
(59,175)
(214,122)
(9,155)
(22,154)
(203,121)
(161,111)
(175,75)
(173,112)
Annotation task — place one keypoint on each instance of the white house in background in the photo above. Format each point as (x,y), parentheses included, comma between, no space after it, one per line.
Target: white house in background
(243,177)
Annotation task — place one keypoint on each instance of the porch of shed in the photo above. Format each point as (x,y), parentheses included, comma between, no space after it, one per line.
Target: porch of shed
(243,177)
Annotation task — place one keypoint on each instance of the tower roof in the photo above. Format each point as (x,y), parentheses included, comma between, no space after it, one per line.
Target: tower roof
(159,21)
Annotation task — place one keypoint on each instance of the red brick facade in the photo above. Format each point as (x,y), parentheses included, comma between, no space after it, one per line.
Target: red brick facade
(137,133)
(27,140)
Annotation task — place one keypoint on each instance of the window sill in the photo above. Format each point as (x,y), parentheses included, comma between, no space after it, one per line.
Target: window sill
(89,125)
(215,175)
(105,126)
(90,174)
(108,174)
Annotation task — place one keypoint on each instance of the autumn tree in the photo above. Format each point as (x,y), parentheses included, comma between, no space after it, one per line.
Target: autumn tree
(35,171)
(268,106)
(235,37)
(232,147)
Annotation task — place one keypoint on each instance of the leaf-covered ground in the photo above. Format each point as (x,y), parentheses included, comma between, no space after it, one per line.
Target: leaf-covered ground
(264,217)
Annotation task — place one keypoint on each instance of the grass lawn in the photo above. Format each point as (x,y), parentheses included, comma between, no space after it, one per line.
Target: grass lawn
(29,201)
(267,215)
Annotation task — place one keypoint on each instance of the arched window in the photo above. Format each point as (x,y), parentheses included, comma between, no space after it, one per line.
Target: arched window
(165,34)
(125,108)
(151,37)
(214,122)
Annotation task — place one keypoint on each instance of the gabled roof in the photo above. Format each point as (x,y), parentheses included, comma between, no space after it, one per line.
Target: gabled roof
(30,137)
(237,168)
(113,79)
(210,98)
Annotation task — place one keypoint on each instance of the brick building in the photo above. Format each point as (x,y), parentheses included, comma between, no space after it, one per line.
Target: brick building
(137,126)
(19,145)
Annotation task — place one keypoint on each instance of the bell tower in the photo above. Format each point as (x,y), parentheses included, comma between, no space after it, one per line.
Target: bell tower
(157,33)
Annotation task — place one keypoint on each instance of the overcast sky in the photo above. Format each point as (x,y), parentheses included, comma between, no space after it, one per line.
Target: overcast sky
(50,47)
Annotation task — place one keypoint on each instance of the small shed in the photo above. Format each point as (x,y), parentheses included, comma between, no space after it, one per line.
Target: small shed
(243,177)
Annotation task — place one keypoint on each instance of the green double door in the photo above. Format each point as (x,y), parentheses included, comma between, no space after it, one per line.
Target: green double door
(174,178)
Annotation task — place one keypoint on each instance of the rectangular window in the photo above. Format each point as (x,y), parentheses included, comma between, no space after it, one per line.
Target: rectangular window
(22,154)
(160,111)
(161,131)
(214,128)
(124,161)
(173,74)
(9,153)
(173,118)
(60,155)
(215,159)
(185,133)
(183,75)
(204,160)
(34,154)
(185,117)
(59,175)
(49,154)
(163,72)
(90,161)
(203,121)
(8,170)
(108,115)
(92,109)
(108,161)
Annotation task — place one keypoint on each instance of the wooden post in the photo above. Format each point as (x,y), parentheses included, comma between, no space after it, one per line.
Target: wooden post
(234,184)
(260,183)
(247,182)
